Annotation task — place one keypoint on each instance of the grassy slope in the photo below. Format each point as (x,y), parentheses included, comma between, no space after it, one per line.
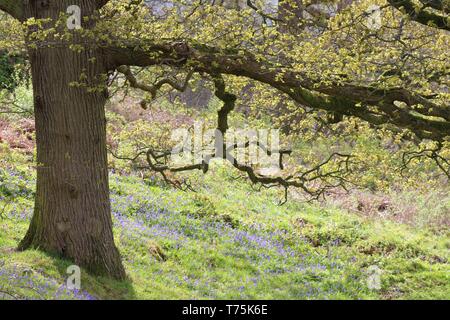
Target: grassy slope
(226,242)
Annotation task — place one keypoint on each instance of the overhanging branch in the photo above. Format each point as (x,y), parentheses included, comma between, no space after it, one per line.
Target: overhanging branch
(348,99)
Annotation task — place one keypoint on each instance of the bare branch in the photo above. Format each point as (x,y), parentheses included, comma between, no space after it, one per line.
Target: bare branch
(430,153)
(315,181)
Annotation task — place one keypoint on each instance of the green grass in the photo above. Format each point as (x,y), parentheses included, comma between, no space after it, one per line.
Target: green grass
(227,241)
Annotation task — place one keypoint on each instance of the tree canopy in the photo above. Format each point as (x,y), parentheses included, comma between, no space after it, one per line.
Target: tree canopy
(384,63)
(396,74)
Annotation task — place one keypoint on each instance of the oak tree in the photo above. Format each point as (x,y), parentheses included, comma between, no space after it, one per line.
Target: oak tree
(321,55)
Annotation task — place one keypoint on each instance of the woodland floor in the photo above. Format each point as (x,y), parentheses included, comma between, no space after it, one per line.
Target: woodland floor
(228,242)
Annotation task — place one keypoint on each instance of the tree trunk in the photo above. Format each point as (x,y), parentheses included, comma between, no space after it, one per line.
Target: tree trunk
(72,216)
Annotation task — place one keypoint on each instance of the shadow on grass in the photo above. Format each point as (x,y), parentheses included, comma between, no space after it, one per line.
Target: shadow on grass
(101,287)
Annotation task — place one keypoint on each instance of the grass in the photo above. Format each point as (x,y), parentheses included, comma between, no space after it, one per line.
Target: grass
(227,241)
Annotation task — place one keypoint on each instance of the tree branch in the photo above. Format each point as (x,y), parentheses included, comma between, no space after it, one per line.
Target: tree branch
(422,15)
(347,98)
(315,181)
(101,3)
(15,8)
(153,89)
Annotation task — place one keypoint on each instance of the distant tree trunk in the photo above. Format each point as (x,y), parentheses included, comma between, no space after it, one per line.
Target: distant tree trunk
(72,209)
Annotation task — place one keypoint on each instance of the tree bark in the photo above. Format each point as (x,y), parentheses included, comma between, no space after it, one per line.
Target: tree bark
(72,216)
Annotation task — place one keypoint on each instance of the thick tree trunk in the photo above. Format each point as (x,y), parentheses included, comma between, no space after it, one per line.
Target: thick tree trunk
(72,209)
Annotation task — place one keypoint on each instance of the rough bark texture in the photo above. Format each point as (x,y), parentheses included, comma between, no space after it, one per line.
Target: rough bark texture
(72,209)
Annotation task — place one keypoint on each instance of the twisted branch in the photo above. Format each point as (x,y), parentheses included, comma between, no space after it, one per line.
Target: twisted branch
(315,181)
